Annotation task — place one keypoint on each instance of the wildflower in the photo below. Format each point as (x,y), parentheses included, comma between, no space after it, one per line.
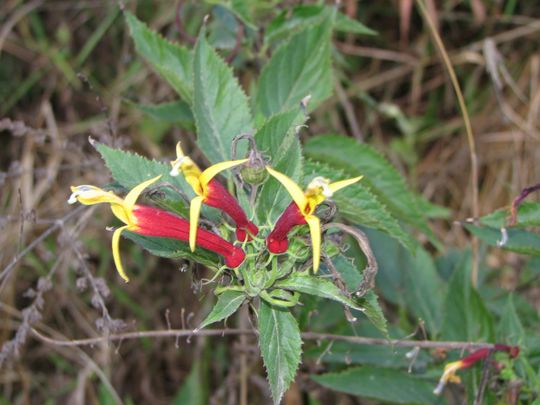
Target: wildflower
(449,373)
(151,221)
(301,210)
(212,193)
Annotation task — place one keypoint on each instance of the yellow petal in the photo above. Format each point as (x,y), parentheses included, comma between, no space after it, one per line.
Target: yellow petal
(315,231)
(131,197)
(294,189)
(116,252)
(213,170)
(90,195)
(338,185)
(194,212)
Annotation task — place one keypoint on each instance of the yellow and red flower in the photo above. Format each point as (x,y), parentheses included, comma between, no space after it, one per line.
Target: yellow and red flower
(301,210)
(151,221)
(212,193)
(450,370)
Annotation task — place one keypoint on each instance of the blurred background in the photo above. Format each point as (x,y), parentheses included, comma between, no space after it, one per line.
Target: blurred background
(69,71)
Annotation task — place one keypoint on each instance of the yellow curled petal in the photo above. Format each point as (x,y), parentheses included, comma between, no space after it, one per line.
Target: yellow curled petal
(116,252)
(131,197)
(294,189)
(90,195)
(315,231)
(213,170)
(194,212)
(338,185)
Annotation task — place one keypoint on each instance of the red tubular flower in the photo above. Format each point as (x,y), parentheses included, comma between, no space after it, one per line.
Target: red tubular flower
(150,221)
(450,369)
(277,240)
(218,197)
(212,193)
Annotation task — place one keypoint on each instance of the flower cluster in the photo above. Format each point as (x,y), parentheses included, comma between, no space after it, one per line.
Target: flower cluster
(449,373)
(150,221)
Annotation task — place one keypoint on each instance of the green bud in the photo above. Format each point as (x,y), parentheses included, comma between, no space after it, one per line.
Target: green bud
(254,175)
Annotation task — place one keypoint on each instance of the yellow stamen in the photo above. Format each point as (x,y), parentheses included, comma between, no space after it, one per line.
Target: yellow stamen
(194,213)
(315,232)
(449,375)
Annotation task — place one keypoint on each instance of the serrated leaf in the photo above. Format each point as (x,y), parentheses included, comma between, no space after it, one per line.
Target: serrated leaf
(278,140)
(382,384)
(226,305)
(298,68)
(172,248)
(528,215)
(281,347)
(220,106)
(314,285)
(380,177)
(373,311)
(518,241)
(465,315)
(176,112)
(357,204)
(171,61)
(130,169)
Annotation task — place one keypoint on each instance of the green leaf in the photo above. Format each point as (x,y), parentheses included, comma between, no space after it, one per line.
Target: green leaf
(226,305)
(298,68)
(407,280)
(176,112)
(524,242)
(347,24)
(172,248)
(171,61)
(380,177)
(277,138)
(349,272)
(130,169)
(465,315)
(528,215)
(192,390)
(358,205)
(381,384)
(314,285)
(373,311)
(220,106)
(510,330)
(281,347)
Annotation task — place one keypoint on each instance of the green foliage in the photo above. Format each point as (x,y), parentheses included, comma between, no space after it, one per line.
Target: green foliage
(380,177)
(171,61)
(226,305)
(192,390)
(220,106)
(308,284)
(519,241)
(281,347)
(528,215)
(383,384)
(176,112)
(299,68)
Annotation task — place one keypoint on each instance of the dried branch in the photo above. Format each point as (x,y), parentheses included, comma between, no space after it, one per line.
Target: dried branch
(370,272)
(175,333)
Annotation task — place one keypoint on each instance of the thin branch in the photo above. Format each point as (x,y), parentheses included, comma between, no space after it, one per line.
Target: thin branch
(359,340)
(468,129)
(518,200)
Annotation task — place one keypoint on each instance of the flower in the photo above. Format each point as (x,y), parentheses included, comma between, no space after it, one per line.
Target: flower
(449,373)
(212,193)
(301,210)
(151,221)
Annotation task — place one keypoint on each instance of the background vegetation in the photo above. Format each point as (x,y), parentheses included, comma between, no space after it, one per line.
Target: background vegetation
(70,70)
